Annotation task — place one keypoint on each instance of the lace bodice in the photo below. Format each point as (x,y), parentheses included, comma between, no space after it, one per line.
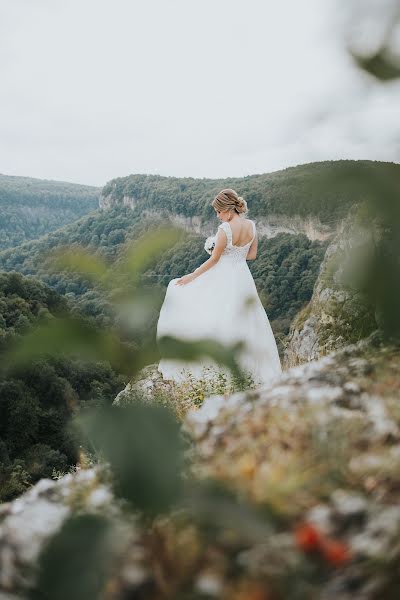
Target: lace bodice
(236,253)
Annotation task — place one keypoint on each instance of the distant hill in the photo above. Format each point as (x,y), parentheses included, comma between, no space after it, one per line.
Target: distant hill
(103,233)
(309,191)
(30,208)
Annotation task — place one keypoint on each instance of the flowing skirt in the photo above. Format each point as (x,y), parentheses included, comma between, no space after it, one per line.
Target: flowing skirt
(222,304)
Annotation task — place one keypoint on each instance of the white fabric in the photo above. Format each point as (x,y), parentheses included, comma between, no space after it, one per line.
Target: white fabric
(222,304)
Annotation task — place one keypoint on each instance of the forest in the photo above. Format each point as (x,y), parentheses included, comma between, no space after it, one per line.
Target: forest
(32,207)
(37,401)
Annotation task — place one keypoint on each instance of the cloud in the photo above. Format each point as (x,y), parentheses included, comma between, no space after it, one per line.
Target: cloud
(93,90)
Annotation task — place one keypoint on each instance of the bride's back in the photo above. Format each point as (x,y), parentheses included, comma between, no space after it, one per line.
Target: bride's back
(242,231)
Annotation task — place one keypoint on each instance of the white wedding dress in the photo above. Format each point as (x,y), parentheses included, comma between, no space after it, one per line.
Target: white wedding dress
(223,304)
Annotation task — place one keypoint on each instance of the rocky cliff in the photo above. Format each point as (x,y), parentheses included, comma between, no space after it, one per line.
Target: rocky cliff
(339,312)
(268,226)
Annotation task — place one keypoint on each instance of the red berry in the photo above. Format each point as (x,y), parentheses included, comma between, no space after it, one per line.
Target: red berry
(307,537)
(335,552)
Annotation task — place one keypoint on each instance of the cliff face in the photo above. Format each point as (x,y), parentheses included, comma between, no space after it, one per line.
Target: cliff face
(268,226)
(311,227)
(338,312)
(106,202)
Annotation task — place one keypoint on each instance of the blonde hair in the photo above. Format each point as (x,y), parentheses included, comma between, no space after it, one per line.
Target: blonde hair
(229,200)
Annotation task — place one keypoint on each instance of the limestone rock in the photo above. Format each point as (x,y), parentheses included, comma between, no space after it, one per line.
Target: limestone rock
(338,314)
(28,522)
(144,387)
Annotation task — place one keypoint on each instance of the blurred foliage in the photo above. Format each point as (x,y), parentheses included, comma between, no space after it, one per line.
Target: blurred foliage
(381,65)
(383,268)
(374,268)
(379,188)
(214,506)
(171,347)
(144,447)
(32,207)
(77,562)
(382,58)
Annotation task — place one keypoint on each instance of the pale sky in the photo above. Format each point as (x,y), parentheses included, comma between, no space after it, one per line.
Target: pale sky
(97,89)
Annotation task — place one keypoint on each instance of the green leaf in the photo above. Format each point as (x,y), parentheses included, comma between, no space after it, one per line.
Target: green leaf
(215,507)
(79,260)
(75,336)
(145,449)
(76,561)
(171,347)
(141,253)
(382,65)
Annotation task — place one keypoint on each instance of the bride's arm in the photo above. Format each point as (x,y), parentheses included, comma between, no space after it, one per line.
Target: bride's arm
(220,244)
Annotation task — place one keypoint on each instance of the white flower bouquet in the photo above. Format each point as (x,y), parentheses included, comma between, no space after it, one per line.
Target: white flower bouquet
(209,244)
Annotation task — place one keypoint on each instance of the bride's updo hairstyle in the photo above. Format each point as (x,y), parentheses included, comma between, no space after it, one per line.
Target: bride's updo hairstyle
(229,200)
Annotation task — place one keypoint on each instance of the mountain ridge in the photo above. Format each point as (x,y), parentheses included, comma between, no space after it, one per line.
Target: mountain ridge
(32,207)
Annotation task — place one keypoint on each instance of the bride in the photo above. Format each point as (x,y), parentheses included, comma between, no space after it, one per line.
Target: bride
(219,300)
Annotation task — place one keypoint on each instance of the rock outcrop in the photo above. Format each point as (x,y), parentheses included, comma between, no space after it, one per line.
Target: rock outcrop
(338,312)
(146,386)
(342,409)
(321,446)
(268,226)
(28,523)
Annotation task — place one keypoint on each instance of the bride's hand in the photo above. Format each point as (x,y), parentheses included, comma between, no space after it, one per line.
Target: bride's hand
(185,279)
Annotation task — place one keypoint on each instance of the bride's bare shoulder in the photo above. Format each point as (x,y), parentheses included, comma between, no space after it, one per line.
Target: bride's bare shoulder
(251,224)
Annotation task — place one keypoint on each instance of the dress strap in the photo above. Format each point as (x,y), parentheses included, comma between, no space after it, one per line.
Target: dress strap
(228,231)
(254,231)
